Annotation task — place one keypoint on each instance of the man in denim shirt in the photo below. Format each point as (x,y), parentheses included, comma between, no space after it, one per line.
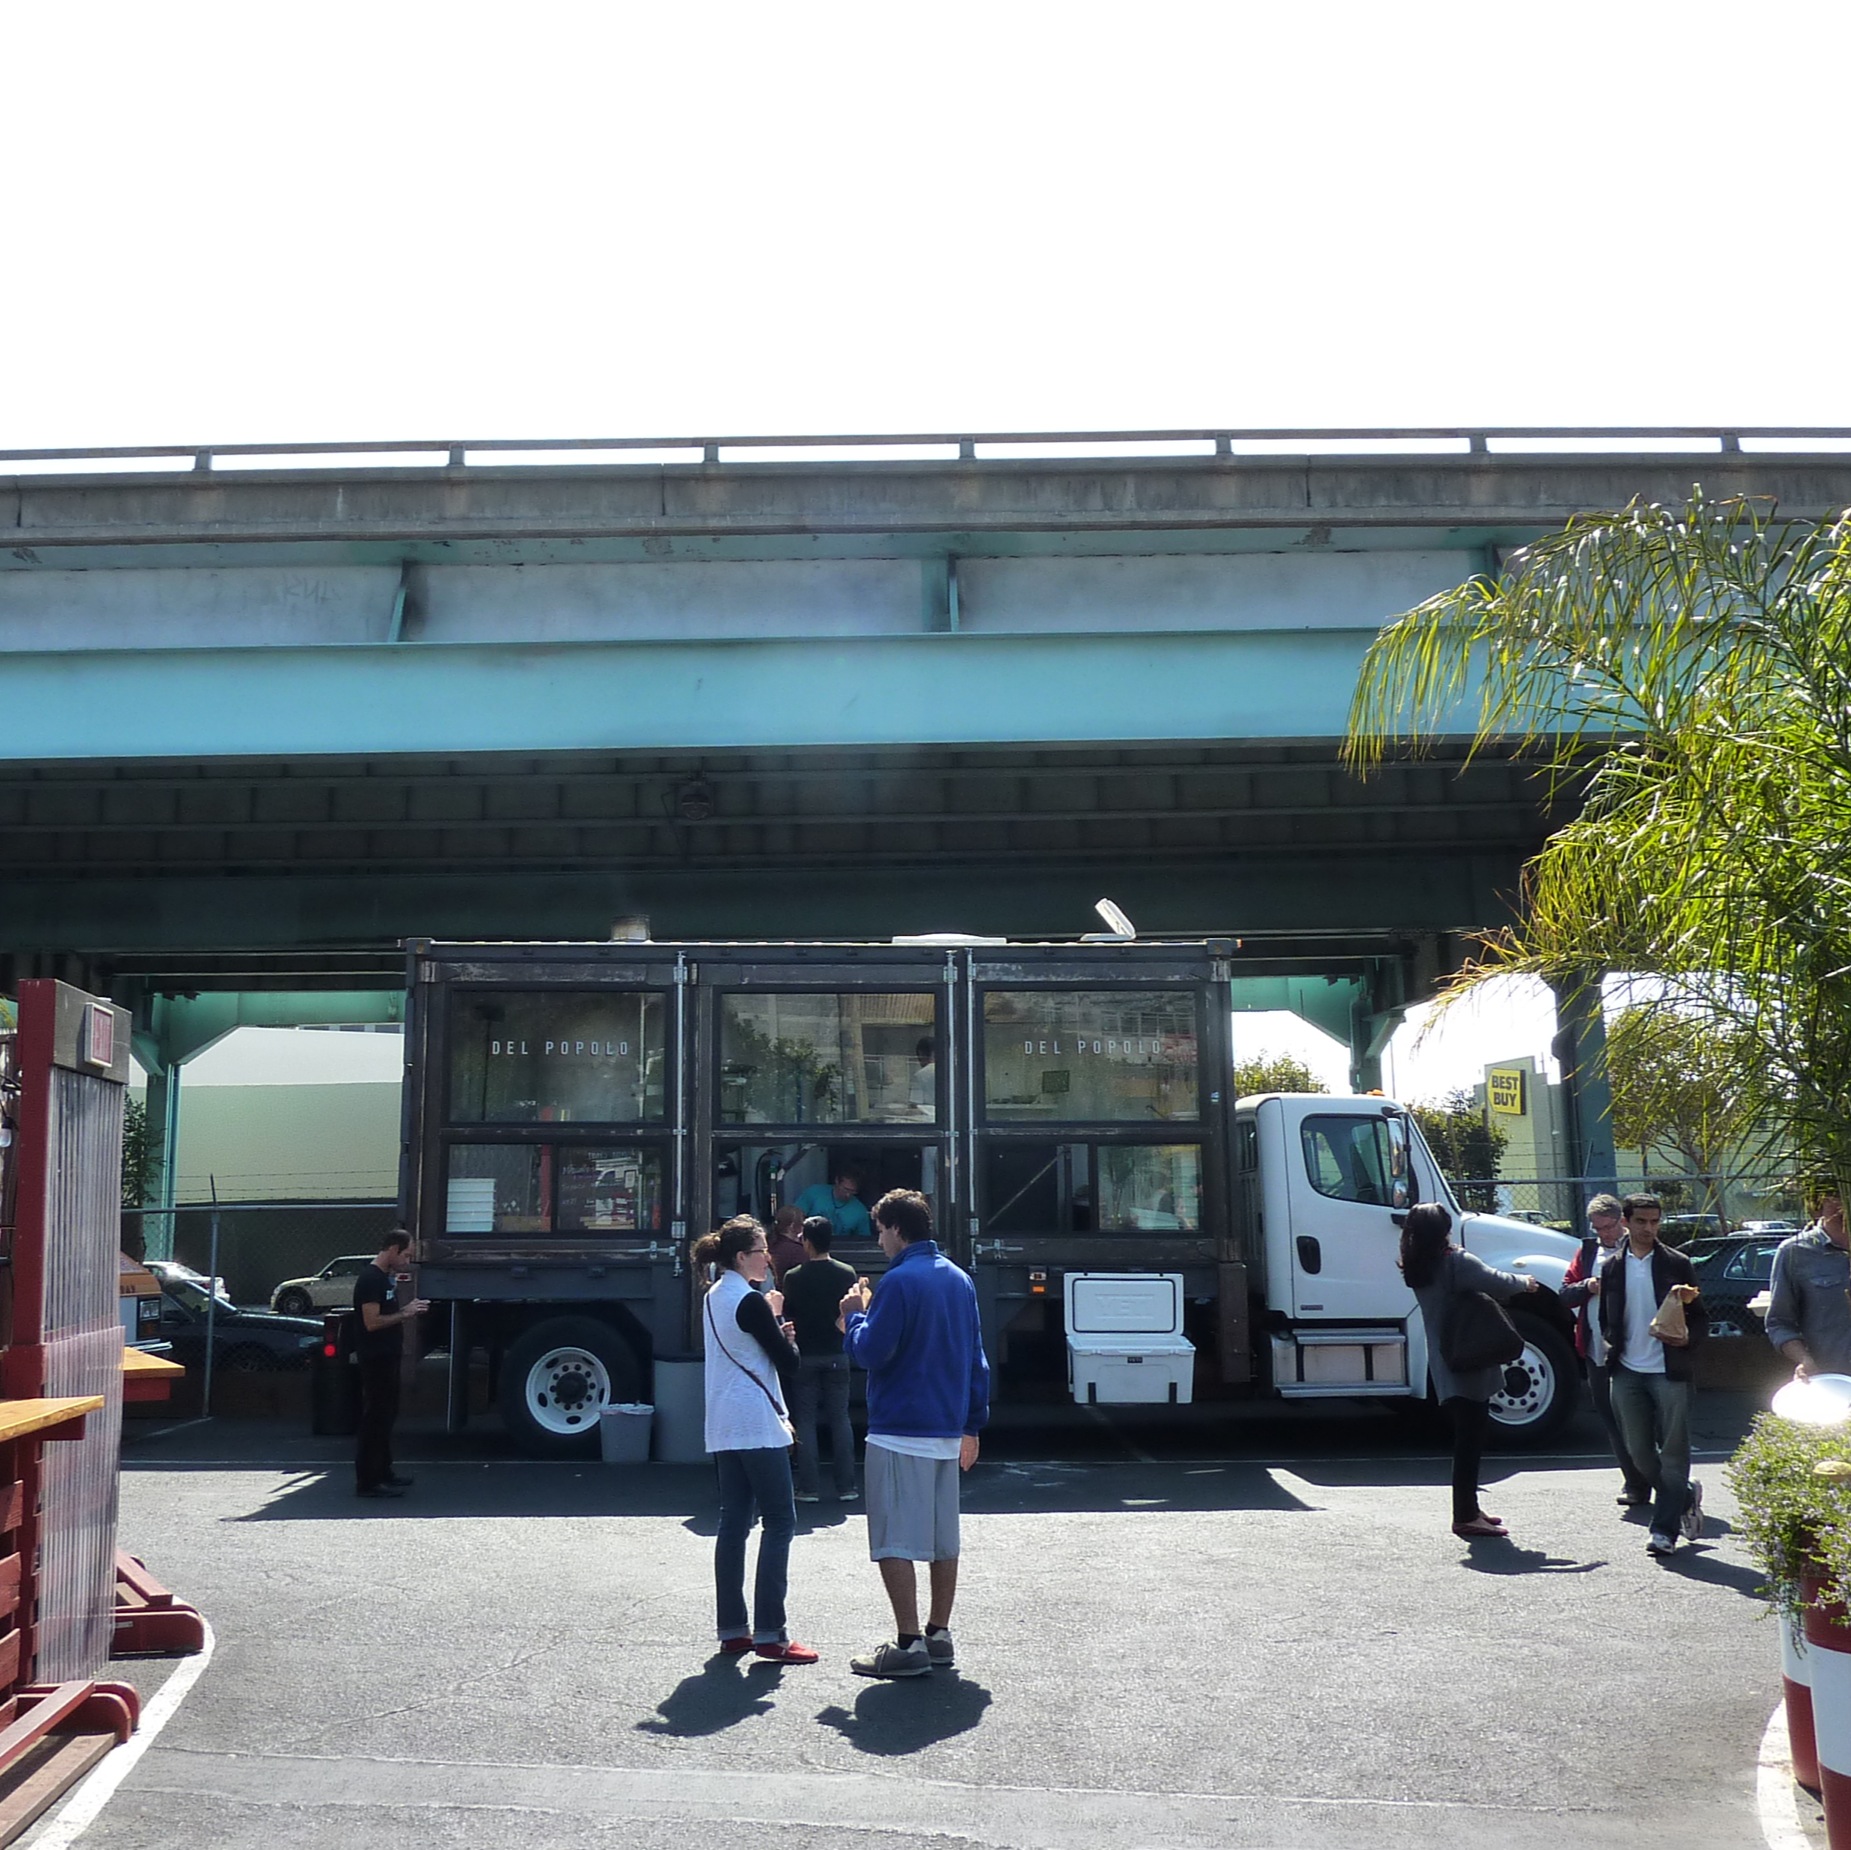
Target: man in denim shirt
(1809,1319)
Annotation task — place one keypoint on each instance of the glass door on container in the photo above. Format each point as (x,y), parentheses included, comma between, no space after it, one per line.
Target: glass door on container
(823,1098)
(1091,1117)
(556,1122)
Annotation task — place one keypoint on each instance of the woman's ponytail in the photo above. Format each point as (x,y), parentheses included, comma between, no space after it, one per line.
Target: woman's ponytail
(723,1246)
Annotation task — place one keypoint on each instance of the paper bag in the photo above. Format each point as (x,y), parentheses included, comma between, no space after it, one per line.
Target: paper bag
(1670,1319)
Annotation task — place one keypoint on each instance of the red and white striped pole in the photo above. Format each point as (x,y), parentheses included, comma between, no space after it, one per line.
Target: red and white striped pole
(1828,1654)
(1796,1687)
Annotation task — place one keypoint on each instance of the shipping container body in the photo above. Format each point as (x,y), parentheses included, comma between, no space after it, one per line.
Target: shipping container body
(576,1113)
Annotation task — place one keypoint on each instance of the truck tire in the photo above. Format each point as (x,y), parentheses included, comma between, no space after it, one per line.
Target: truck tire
(558,1377)
(1540,1390)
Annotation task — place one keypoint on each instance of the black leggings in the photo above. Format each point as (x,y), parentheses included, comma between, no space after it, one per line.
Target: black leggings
(1471,1422)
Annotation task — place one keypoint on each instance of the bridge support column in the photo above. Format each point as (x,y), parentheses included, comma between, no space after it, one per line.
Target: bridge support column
(163,1104)
(1370,1033)
(1587,1099)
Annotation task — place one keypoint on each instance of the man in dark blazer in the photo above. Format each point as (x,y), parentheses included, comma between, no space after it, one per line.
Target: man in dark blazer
(1651,1368)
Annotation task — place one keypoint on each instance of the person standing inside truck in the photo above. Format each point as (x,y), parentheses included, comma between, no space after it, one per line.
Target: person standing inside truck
(840,1201)
(1581,1294)
(379,1345)
(921,1342)
(749,1358)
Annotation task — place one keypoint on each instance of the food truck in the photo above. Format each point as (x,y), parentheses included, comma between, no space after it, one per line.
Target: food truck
(576,1113)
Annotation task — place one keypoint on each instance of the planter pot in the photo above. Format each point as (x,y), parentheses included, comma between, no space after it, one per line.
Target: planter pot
(1828,1654)
(1796,1687)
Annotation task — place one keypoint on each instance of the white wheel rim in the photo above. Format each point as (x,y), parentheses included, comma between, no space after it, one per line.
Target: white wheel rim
(566,1389)
(1527,1408)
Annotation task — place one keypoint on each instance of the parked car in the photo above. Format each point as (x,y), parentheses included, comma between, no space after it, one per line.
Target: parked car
(241,1339)
(330,1289)
(1729,1273)
(171,1269)
(1681,1230)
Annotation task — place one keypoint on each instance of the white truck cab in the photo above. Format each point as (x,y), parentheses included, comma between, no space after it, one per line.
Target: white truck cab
(1325,1182)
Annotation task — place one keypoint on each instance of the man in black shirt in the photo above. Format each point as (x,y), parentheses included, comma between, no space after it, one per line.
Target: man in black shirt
(379,1343)
(813,1303)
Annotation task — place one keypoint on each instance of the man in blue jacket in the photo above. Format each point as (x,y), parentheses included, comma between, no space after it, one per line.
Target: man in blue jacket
(928,1398)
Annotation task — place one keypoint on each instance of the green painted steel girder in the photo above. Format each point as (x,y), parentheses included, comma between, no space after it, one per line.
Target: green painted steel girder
(945,688)
(178,1028)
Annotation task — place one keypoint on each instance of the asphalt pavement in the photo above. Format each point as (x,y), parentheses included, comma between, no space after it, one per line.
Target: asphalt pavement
(1252,1631)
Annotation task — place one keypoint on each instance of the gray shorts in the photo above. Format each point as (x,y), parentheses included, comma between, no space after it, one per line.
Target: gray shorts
(912,1506)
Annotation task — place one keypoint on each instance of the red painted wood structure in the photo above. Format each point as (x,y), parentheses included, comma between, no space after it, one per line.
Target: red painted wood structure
(63,1076)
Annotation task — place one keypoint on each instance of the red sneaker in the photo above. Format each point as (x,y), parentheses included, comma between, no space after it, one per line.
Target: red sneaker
(735,1647)
(790,1652)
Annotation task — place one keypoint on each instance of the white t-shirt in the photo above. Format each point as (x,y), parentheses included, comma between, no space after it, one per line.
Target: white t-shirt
(910,1447)
(1642,1352)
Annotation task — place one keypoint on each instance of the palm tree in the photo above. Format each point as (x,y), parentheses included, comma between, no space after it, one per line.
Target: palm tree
(1687,672)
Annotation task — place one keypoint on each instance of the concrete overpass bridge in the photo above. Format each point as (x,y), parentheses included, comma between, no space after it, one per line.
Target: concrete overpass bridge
(270,711)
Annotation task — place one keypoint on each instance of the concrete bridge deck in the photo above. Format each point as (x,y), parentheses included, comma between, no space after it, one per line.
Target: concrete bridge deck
(270,711)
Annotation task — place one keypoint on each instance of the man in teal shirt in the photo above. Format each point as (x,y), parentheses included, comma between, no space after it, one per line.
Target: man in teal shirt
(839,1203)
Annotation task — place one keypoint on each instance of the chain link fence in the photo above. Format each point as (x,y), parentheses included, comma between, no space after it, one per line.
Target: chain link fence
(1694,1205)
(254,1246)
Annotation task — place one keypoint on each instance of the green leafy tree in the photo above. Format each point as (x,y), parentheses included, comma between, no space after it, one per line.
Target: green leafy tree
(1678,1085)
(1465,1144)
(1683,676)
(137,1153)
(1274,1072)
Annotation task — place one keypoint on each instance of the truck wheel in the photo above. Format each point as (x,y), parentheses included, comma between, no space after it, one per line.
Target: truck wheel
(556,1380)
(1540,1387)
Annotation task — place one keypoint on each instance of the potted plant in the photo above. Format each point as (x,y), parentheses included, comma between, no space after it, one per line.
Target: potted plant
(1792,1483)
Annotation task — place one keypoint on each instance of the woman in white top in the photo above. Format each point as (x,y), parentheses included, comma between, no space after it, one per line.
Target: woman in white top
(748,1432)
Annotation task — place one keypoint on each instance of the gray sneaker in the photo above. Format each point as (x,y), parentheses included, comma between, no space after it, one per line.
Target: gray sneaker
(940,1649)
(1658,1544)
(1692,1525)
(889,1660)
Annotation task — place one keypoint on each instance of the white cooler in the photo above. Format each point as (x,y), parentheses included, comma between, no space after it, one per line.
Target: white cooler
(1125,1340)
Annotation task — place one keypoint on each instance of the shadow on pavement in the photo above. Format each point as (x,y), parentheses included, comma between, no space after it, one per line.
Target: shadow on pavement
(725,1692)
(905,1716)
(1492,1556)
(1699,1564)
(324,1493)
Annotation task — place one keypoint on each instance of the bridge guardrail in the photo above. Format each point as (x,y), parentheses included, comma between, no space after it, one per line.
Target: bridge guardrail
(1222,444)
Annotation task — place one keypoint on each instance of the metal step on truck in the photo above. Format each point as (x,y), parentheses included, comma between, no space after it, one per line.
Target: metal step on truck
(576,1113)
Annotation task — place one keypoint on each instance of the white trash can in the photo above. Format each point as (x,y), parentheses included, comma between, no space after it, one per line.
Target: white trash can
(623,1433)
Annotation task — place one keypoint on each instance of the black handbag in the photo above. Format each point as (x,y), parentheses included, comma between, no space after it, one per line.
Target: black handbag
(1477,1332)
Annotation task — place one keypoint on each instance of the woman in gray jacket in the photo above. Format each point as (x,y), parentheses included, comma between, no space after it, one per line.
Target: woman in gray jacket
(1435,1271)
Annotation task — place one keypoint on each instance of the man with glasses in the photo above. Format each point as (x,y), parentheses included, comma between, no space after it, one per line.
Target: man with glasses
(1580,1293)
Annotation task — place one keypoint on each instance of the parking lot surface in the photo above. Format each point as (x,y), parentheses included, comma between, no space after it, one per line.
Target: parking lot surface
(1201,1632)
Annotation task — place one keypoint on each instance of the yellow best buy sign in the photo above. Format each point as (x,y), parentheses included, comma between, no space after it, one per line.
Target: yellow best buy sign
(1504,1088)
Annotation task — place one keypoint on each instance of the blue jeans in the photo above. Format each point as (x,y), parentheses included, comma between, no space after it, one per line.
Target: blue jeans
(822,1381)
(753,1485)
(1654,1416)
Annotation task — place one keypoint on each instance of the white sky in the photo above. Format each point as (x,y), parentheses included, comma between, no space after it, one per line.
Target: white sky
(292,222)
